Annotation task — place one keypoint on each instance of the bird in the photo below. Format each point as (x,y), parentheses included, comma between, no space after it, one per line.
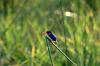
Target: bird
(51,36)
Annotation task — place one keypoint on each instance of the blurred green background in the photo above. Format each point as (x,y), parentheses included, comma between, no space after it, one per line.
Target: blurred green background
(76,23)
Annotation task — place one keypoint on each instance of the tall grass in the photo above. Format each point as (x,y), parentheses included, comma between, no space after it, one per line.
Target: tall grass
(21,42)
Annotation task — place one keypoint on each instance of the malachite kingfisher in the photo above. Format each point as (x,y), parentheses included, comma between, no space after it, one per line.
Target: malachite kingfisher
(50,35)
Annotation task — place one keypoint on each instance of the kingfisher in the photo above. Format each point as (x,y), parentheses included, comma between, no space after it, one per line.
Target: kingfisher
(50,35)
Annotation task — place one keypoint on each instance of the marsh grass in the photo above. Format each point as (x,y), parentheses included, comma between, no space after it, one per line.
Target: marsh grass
(20,32)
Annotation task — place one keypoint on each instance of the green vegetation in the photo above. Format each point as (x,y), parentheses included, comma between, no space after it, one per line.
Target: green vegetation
(76,23)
